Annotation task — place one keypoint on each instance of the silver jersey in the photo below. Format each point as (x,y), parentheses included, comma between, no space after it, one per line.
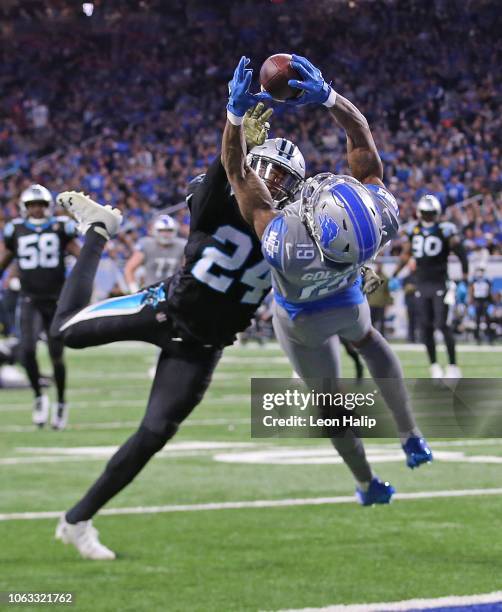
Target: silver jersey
(161,261)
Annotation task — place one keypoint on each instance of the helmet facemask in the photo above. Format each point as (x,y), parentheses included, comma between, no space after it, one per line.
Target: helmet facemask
(280,180)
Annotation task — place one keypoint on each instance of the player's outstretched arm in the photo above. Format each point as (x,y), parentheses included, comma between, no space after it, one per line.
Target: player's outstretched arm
(253,197)
(364,160)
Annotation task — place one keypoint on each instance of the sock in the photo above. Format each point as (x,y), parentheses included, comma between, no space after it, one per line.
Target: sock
(449,340)
(351,450)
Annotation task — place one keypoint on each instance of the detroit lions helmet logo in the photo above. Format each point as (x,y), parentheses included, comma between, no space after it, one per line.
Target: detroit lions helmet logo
(329,230)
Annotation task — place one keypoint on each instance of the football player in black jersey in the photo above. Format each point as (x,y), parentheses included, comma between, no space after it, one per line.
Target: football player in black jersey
(39,242)
(190,316)
(430,241)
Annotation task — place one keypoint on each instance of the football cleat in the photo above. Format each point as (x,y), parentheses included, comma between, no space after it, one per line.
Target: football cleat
(436,371)
(378,493)
(85,539)
(87,212)
(40,412)
(59,418)
(417,452)
(452,372)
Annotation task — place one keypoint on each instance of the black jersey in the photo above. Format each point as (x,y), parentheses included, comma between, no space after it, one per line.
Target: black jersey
(39,250)
(430,247)
(224,278)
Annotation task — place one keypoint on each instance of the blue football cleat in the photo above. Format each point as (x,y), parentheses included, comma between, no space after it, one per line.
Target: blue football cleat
(417,452)
(378,493)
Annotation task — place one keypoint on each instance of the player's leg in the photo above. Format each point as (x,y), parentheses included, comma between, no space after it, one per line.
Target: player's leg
(59,417)
(440,321)
(478,317)
(29,329)
(181,380)
(354,355)
(425,306)
(125,318)
(318,359)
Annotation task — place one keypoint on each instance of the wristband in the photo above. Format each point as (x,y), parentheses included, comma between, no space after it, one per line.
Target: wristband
(331,99)
(234,119)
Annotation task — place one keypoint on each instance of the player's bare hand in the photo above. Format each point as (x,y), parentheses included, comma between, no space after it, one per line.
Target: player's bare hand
(256,125)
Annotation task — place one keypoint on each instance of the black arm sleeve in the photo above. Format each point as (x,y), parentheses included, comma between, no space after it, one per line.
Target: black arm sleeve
(211,195)
(461,253)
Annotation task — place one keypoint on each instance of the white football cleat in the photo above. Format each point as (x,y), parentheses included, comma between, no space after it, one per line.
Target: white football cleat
(85,539)
(87,211)
(436,371)
(453,371)
(40,412)
(59,418)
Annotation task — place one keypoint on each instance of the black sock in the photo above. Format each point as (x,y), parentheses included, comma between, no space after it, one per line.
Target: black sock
(449,340)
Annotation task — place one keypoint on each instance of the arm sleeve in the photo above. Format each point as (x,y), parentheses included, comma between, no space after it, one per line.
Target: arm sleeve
(211,195)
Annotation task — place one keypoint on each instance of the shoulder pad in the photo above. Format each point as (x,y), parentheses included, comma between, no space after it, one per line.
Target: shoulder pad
(273,240)
(448,229)
(385,196)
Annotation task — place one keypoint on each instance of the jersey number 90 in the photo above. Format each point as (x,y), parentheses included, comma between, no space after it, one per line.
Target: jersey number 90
(428,246)
(257,277)
(38,251)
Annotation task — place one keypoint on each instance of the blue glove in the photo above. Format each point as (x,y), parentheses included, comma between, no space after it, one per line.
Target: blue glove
(461,292)
(394,284)
(314,88)
(239,98)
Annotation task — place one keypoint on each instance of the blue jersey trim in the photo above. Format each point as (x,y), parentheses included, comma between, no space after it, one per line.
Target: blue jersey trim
(351,296)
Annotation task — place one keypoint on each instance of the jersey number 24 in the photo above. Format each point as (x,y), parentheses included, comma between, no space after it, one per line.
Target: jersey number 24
(257,276)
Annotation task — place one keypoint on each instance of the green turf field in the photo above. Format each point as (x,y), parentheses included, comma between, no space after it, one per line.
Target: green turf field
(249,557)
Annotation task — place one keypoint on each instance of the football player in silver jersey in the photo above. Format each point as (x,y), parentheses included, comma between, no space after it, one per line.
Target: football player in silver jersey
(316,248)
(160,254)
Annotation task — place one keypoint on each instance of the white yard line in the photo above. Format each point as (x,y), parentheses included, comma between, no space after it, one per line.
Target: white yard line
(263,503)
(411,604)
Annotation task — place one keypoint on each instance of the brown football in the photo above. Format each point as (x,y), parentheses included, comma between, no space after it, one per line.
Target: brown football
(275,73)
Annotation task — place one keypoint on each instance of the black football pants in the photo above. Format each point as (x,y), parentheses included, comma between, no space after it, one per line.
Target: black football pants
(35,314)
(433,314)
(184,370)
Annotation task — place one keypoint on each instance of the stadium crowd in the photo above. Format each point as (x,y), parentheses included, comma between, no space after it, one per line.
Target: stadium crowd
(134,104)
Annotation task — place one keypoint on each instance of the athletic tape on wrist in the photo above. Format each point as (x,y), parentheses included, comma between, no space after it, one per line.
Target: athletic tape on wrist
(331,99)
(234,119)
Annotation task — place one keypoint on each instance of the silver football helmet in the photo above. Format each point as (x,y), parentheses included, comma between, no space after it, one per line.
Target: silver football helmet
(342,218)
(36,193)
(281,165)
(164,229)
(428,209)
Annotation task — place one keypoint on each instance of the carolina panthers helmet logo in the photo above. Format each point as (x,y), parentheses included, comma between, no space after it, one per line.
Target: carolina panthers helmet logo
(329,230)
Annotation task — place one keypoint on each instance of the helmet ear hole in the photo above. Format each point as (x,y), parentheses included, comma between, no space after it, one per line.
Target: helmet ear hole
(347,248)
(344,225)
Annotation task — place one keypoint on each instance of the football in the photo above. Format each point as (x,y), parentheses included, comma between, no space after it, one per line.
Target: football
(275,73)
